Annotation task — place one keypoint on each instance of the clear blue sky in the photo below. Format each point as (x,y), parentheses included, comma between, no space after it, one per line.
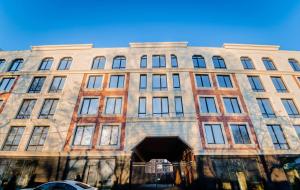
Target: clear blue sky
(109,23)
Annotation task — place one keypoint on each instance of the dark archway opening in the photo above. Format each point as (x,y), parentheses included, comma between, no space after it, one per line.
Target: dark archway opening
(160,163)
(171,148)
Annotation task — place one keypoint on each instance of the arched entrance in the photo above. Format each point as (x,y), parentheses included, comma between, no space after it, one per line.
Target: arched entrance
(161,163)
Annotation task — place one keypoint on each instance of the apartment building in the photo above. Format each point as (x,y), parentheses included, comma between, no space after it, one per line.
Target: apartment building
(216,118)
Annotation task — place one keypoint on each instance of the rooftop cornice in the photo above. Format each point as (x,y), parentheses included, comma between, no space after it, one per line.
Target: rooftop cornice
(251,47)
(62,47)
(158,45)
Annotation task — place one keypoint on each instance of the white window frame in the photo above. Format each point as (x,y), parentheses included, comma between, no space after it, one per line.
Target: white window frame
(216,103)
(74,133)
(100,134)
(225,145)
(252,144)
(81,104)
(104,106)
(87,82)
(239,102)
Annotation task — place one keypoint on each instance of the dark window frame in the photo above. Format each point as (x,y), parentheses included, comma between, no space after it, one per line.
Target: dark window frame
(119,62)
(97,63)
(219,62)
(46,64)
(36,87)
(197,63)
(65,63)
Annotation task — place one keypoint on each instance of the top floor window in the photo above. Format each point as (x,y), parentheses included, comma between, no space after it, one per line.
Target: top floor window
(294,64)
(65,63)
(119,62)
(247,63)
(2,61)
(158,61)
(16,65)
(268,63)
(143,63)
(46,64)
(219,62)
(198,61)
(174,61)
(98,63)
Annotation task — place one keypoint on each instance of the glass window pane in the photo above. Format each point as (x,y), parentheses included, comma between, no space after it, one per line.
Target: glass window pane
(105,135)
(209,134)
(218,134)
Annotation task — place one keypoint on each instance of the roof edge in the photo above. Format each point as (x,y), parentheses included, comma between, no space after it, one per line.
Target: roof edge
(62,47)
(251,47)
(158,44)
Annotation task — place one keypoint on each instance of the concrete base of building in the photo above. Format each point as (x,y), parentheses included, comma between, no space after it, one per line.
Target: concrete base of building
(206,172)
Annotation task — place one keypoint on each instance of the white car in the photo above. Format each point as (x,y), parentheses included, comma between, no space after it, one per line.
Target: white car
(63,185)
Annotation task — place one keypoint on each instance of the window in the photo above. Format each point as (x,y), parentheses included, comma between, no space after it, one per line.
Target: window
(159,82)
(214,134)
(240,134)
(13,139)
(26,109)
(208,105)
(265,107)
(89,106)
(143,63)
(36,85)
(277,136)
(224,81)
(119,62)
(294,64)
(48,108)
(278,84)
(98,63)
(142,107)
(38,139)
(160,106)
(232,105)
(143,82)
(297,128)
(178,106)
(2,61)
(116,81)
(268,64)
(198,61)
(109,135)
(176,81)
(174,62)
(219,62)
(290,107)
(247,63)
(203,81)
(46,64)
(95,81)
(113,105)
(158,61)
(256,84)
(57,84)
(83,135)
(6,84)
(65,63)
(15,65)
